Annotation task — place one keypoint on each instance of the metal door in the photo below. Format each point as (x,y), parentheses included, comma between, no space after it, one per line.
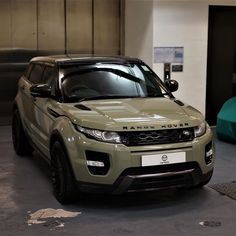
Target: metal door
(51,26)
(107,27)
(5,24)
(79,34)
(24,24)
(221,59)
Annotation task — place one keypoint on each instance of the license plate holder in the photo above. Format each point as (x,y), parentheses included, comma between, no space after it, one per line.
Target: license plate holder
(163,158)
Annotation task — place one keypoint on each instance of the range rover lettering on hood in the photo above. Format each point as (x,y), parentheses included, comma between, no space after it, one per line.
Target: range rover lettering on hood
(138,127)
(166,126)
(175,125)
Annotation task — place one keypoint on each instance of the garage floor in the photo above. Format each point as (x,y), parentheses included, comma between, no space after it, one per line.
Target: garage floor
(25,188)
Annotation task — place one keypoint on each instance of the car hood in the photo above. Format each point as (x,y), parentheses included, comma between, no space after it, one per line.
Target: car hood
(132,114)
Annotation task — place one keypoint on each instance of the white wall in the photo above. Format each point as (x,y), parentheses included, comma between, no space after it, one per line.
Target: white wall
(139,29)
(183,23)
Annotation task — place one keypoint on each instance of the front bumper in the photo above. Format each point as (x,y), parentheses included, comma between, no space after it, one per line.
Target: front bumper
(126,173)
(152,179)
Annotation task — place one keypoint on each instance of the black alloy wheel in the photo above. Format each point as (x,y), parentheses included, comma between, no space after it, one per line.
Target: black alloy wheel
(63,181)
(20,140)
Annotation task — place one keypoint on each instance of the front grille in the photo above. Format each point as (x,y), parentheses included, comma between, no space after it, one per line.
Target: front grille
(138,138)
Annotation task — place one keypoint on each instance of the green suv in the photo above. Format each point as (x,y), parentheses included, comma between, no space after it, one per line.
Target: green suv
(110,125)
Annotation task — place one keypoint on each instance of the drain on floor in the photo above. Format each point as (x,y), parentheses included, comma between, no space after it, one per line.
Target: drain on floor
(210,223)
(228,189)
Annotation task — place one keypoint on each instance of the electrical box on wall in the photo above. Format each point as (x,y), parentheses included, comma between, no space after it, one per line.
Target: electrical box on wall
(171,57)
(177,68)
(166,71)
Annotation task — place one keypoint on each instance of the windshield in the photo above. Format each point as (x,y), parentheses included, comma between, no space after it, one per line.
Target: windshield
(108,80)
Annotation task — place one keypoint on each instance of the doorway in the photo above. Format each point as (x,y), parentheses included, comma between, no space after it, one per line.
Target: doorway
(221,65)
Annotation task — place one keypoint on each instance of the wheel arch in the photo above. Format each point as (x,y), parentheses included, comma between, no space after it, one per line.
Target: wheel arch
(14,106)
(57,137)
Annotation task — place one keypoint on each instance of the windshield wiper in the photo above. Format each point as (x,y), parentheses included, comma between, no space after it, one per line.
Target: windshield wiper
(105,97)
(157,95)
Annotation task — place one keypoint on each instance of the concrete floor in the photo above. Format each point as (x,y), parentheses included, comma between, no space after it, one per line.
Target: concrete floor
(25,187)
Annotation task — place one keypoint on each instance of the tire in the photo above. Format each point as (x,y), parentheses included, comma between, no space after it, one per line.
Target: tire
(63,182)
(20,140)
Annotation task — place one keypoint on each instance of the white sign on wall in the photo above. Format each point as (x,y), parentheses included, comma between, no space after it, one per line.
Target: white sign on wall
(168,55)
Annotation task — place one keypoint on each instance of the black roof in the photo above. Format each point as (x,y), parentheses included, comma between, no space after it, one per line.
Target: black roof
(77,58)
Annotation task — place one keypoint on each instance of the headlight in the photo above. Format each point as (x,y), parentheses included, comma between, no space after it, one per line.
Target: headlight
(104,136)
(200,130)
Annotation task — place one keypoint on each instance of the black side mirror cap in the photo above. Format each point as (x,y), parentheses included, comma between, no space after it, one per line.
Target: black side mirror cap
(41,90)
(172,85)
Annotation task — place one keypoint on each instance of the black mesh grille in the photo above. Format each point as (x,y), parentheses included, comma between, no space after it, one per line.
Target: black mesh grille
(137,138)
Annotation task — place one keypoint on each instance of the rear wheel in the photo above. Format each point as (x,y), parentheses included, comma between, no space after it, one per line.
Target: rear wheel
(63,181)
(20,140)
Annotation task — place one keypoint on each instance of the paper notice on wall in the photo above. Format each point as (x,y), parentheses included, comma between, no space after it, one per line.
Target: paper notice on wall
(168,55)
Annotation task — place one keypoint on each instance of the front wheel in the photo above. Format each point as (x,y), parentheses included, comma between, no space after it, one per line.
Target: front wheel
(20,140)
(63,181)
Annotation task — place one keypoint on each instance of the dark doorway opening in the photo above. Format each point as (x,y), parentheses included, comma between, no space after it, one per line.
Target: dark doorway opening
(221,67)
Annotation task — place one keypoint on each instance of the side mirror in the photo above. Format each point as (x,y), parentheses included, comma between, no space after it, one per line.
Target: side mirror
(172,85)
(41,90)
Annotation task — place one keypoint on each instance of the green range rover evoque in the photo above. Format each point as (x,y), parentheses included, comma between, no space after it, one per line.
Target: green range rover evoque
(110,125)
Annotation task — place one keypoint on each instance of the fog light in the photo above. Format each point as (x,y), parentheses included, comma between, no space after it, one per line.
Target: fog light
(208,153)
(95,163)
(98,163)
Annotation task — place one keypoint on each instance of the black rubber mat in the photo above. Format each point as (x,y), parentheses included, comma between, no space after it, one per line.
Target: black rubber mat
(228,189)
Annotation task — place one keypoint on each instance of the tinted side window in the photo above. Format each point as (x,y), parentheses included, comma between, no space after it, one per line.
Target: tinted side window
(28,70)
(48,75)
(36,74)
